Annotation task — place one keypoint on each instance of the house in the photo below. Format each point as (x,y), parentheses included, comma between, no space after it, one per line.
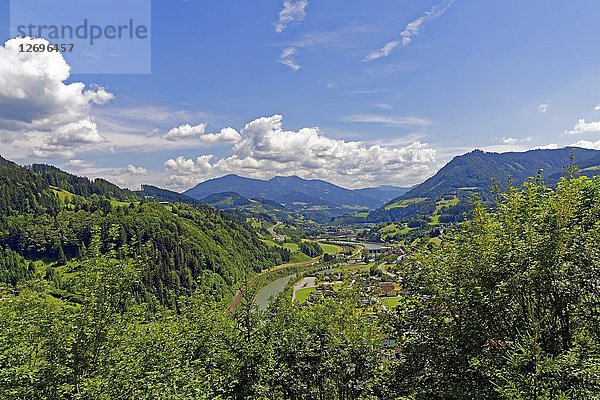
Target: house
(389,289)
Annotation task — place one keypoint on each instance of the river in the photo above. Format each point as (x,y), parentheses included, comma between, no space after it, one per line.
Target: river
(271,289)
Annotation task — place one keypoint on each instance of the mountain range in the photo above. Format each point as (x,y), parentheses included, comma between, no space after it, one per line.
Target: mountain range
(292,192)
(475,172)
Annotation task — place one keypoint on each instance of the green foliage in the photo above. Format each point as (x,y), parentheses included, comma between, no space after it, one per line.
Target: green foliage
(508,307)
(22,191)
(311,249)
(14,268)
(185,250)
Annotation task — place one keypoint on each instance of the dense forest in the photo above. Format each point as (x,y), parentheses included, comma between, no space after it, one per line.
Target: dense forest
(184,247)
(108,299)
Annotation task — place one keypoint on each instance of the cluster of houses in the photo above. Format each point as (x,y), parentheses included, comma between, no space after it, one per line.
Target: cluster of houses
(371,287)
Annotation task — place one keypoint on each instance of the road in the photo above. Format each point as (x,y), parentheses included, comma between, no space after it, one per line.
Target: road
(239,294)
(385,271)
(304,283)
(276,236)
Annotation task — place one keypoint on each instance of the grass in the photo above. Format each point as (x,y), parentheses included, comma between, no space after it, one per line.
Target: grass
(393,230)
(298,256)
(436,241)
(391,302)
(362,214)
(405,203)
(330,248)
(255,223)
(291,247)
(63,194)
(303,294)
(269,243)
(439,206)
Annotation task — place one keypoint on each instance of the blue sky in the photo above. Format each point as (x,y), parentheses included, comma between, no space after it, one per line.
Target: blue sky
(495,75)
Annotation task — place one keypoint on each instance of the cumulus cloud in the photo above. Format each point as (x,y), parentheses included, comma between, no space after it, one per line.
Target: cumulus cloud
(511,140)
(65,138)
(266,149)
(292,11)
(186,131)
(133,170)
(584,127)
(226,135)
(287,58)
(80,164)
(597,107)
(411,30)
(586,144)
(35,101)
(98,94)
(549,146)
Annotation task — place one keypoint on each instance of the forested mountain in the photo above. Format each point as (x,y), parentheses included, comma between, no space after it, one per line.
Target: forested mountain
(23,191)
(149,192)
(292,189)
(226,200)
(81,186)
(476,171)
(59,220)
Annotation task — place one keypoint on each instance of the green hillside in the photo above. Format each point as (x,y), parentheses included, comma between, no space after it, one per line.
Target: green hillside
(476,173)
(182,248)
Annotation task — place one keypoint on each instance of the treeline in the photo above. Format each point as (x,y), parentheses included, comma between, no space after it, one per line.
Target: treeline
(158,194)
(23,191)
(311,249)
(79,185)
(14,268)
(191,248)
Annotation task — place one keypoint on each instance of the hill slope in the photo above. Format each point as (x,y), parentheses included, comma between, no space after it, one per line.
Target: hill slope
(473,173)
(183,247)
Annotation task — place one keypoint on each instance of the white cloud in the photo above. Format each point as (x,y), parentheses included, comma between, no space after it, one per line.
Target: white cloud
(383,52)
(597,107)
(226,135)
(98,95)
(586,144)
(584,127)
(266,149)
(287,58)
(186,131)
(80,164)
(292,11)
(133,170)
(549,146)
(39,112)
(542,108)
(52,152)
(411,30)
(385,120)
(511,140)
